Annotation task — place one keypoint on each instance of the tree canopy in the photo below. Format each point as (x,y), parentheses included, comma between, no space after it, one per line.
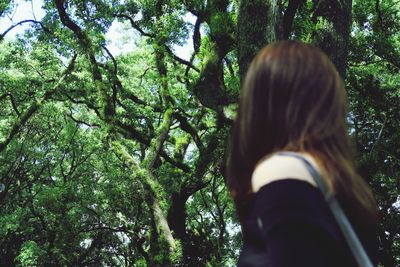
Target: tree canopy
(116,159)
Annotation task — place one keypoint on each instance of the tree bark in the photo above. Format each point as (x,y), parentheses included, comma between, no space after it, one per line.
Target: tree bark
(258,25)
(333,39)
(210,88)
(289,15)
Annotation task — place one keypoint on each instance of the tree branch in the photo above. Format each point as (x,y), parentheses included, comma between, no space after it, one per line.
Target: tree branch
(86,46)
(180,60)
(288,17)
(196,35)
(13,104)
(23,22)
(135,25)
(185,125)
(37,105)
(112,59)
(174,162)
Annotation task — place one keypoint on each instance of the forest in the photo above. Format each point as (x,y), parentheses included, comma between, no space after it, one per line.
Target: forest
(112,142)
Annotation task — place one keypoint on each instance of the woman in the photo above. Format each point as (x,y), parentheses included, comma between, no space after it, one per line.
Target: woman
(293,99)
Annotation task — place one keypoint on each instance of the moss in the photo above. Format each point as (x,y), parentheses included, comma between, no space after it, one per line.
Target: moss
(221,23)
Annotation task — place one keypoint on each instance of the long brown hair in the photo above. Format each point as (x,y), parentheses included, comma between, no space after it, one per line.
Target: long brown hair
(294,99)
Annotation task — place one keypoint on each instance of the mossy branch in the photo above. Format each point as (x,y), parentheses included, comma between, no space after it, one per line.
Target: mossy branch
(86,45)
(152,194)
(36,105)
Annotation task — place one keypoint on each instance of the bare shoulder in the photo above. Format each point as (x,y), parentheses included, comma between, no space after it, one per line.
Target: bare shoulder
(281,167)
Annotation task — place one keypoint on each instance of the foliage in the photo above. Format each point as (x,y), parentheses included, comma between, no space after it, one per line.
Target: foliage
(116,159)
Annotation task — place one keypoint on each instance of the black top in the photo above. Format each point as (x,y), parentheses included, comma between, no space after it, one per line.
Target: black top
(291,225)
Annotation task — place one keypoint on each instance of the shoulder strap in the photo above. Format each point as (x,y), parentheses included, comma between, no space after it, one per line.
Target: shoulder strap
(352,240)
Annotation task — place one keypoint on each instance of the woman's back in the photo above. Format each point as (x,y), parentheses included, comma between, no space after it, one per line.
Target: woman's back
(290,223)
(293,99)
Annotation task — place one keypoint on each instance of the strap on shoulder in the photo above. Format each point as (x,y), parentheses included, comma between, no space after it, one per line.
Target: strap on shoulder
(344,224)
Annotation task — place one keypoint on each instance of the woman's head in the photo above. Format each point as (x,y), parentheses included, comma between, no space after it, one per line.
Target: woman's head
(292,96)
(292,99)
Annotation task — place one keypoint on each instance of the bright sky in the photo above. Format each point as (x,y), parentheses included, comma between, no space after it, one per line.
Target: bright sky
(120,36)
(23,10)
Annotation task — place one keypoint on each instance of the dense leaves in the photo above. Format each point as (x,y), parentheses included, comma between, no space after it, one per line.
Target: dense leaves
(116,158)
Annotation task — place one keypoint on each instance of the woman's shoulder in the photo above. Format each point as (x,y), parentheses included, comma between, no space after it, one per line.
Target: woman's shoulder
(290,217)
(290,204)
(280,167)
(289,198)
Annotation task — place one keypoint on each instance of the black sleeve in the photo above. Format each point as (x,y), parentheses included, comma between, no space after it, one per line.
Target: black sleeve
(296,226)
(301,244)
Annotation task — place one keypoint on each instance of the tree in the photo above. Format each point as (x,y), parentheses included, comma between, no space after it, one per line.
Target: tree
(113,159)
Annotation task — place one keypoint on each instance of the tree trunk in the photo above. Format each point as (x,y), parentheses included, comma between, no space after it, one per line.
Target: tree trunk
(258,25)
(333,39)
